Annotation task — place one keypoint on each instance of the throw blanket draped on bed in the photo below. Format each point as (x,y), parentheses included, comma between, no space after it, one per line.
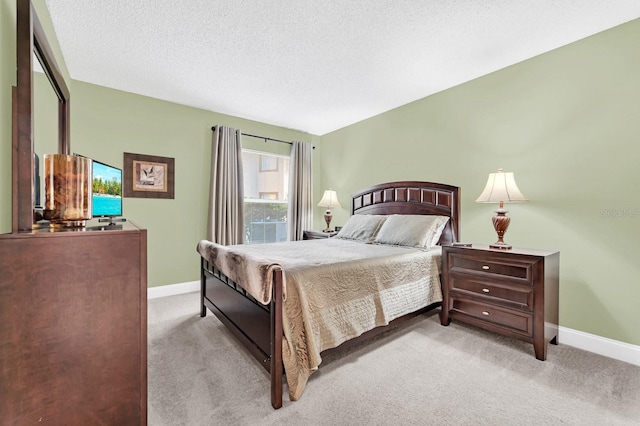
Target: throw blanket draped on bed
(334,290)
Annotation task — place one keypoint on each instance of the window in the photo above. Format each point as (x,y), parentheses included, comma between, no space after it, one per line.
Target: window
(268,195)
(269,163)
(265,196)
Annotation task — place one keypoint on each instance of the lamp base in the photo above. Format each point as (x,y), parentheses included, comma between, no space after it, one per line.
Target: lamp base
(327,218)
(500,246)
(500,224)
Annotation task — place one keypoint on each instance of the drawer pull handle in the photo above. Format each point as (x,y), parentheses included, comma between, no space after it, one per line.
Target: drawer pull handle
(485,267)
(485,290)
(485,313)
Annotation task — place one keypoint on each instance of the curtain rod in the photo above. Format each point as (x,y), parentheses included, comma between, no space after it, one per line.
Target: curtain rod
(267,139)
(262,137)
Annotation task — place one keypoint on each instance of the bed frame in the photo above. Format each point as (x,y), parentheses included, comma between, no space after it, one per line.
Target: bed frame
(259,327)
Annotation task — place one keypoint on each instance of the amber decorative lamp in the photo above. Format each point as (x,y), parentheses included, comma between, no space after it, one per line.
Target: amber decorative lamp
(501,188)
(67,190)
(329,200)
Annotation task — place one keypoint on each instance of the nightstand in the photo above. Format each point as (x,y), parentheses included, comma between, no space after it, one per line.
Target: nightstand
(317,235)
(511,292)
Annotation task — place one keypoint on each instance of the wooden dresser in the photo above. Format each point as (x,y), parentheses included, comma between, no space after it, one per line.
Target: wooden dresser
(511,292)
(73,334)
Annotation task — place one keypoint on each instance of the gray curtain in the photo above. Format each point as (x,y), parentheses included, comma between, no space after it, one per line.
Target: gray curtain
(226,193)
(300,213)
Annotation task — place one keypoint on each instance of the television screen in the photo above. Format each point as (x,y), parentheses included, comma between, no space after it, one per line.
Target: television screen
(107,190)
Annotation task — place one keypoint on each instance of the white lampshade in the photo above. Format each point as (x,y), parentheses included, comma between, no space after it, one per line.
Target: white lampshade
(329,199)
(501,186)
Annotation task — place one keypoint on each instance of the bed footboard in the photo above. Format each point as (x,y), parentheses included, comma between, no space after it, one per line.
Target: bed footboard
(256,326)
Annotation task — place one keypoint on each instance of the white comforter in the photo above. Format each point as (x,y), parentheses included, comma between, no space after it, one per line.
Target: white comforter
(334,290)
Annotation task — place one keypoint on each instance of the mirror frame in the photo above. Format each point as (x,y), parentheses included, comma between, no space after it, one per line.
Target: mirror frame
(30,39)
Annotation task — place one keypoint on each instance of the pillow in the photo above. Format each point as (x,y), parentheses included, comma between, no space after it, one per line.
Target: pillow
(438,233)
(421,231)
(361,227)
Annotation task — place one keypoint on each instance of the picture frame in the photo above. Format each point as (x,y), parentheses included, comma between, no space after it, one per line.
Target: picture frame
(148,176)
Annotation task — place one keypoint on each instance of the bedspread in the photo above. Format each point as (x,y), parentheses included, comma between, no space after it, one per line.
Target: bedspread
(334,290)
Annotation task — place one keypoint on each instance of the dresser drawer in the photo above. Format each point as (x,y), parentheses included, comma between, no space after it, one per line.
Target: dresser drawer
(519,322)
(520,271)
(510,295)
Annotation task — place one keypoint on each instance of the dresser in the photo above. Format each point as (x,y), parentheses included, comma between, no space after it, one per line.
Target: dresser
(73,334)
(511,292)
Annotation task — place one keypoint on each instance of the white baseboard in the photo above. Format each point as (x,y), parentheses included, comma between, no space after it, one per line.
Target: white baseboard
(600,345)
(172,289)
(566,336)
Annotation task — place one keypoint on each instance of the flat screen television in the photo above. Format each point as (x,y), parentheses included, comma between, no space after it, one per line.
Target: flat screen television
(107,192)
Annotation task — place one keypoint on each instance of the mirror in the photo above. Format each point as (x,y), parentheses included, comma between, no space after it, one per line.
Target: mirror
(45,127)
(47,61)
(31,40)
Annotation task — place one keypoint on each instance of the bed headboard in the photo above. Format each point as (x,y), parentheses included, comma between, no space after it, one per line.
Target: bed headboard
(412,197)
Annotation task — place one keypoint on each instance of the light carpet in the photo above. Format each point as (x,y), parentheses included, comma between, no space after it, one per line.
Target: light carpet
(419,374)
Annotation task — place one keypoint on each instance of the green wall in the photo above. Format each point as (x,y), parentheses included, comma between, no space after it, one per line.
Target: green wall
(106,122)
(567,123)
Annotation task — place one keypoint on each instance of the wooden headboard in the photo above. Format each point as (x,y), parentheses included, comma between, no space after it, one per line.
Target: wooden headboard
(412,197)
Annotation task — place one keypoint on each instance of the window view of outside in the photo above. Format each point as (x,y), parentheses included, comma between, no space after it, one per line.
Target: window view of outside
(266,194)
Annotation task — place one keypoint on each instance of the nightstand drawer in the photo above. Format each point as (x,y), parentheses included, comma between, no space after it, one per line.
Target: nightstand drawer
(516,296)
(513,320)
(489,267)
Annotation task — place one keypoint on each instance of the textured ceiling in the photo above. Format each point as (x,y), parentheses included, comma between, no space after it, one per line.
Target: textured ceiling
(312,65)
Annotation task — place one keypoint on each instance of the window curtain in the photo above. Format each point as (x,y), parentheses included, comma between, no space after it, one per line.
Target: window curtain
(226,191)
(300,212)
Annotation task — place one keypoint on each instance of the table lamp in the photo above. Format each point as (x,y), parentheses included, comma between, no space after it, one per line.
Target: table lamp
(329,200)
(501,188)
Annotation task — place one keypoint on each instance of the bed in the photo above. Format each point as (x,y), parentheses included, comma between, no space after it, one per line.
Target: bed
(290,307)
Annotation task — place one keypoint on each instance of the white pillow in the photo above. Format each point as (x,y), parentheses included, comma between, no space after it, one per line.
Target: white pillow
(422,231)
(361,227)
(438,233)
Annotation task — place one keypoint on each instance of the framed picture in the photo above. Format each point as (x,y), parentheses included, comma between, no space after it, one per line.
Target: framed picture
(148,176)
